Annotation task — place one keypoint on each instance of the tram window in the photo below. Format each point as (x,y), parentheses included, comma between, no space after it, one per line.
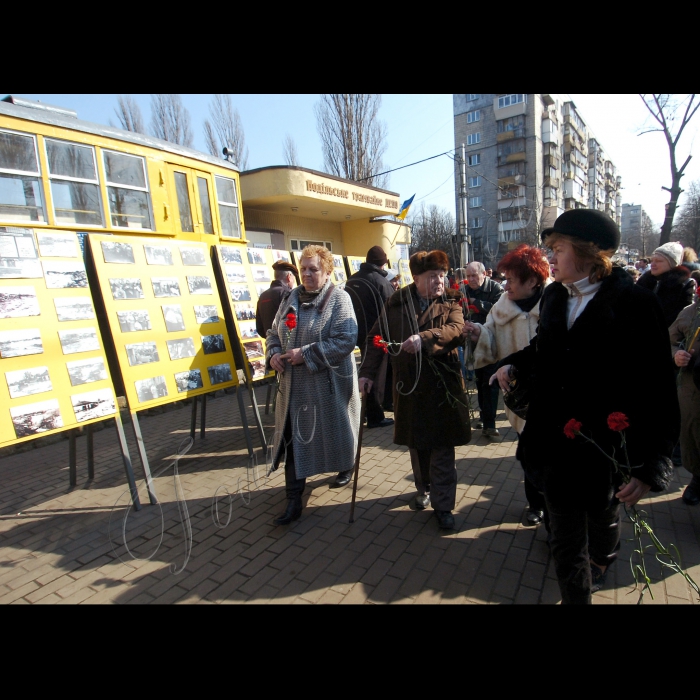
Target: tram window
(74,185)
(183,202)
(128,202)
(205,204)
(228,207)
(20,187)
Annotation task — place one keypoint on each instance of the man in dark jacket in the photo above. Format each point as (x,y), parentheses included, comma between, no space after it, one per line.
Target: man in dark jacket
(483,293)
(286,276)
(369,290)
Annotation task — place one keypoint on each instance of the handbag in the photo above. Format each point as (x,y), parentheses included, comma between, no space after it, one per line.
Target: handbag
(517,398)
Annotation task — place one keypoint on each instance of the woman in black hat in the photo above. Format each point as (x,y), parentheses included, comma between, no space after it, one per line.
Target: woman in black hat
(599,335)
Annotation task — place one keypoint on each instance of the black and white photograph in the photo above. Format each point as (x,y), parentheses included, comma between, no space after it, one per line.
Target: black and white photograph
(120,253)
(174,320)
(86,371)
(260,288)
(240,292)
(79,340)
(16,268)
(235,274)
(126,288)
(261,274)
(16,242)
(151,388)
(64,275)
(257,368)
(220,373)
(188,380)
(192,256)
(256,257)
(165,286)
(133,321)
(338,261)
(74,308)
(17,343)
(339,276)
(231,255)
(57,245)
(158,255)
(213,343)
(93,404)
(142,353)
(245,312)
(16,302)
(248,330)
(181,347)
(206,314)
(254,349)
(25,382)
(278,255)
(355,265)
(199,284)
(34,418)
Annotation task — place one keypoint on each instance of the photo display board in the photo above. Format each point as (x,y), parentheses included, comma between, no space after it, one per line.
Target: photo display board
(354,263)
(55,373)
(165,318)
(405,276)
(247,273)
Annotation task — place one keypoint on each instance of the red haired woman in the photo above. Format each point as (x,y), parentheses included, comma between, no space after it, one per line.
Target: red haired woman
(509,327)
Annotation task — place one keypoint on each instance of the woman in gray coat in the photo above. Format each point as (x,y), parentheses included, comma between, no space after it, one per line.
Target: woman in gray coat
(317,413)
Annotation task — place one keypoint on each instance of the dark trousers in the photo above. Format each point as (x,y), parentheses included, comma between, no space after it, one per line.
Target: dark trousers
(434,471)
(487,395)
(293,486)
(374,411)
(581,534)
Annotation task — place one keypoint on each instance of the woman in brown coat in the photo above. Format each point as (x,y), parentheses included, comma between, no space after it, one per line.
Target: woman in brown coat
(685,337)
(421,329)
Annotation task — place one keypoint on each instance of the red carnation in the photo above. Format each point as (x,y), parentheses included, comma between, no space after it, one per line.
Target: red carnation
(572,428)
(291,321)
(473,309)
(618,422)
(379,343)
(456,286)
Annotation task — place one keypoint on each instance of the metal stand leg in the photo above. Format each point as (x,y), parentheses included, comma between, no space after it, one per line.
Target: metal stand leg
(256,413)
(127,462)
(90,452)
(143,457)
(72,470)
(193,418)
(244,421)
(203,419)
(267,398)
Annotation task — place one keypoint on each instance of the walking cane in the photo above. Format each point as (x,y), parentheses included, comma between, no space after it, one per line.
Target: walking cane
(357,456)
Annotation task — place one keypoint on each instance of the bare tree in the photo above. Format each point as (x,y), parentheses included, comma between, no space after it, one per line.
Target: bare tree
(353,139)
(129,114)
(290,151)
(225,129)
(170,119)
(433,228)
(687,229)
(672,113)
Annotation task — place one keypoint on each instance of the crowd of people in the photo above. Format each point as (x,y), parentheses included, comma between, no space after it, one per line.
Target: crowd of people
(573,331)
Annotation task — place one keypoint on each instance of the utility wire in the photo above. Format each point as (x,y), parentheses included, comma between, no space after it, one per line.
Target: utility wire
(362,179)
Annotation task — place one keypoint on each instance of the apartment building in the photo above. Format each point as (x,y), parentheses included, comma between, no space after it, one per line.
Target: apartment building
(529,157)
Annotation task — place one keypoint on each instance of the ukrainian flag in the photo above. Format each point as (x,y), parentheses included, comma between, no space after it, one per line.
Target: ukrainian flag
(404,208)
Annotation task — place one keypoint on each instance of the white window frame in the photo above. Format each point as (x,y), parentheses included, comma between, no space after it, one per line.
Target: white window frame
(475,222)
(474,159)
(476,202)
(146,189)
(473,139)
(234,205)
(508,100)
(29,173)
(471,98)
(475,181)
(67,178)
(473,116)
(298,245)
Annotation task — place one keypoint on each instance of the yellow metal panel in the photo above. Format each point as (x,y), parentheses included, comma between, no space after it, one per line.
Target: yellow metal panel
(173,284)
(55,373)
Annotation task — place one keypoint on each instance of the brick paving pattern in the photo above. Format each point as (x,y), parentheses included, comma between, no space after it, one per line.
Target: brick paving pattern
(86,545)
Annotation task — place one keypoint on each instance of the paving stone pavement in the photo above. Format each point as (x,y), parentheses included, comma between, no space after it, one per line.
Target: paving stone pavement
(217,544)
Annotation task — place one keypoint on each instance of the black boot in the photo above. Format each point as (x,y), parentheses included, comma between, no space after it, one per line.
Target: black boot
(691,495)
(292,513)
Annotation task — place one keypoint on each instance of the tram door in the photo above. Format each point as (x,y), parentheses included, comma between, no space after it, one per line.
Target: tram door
(193,201)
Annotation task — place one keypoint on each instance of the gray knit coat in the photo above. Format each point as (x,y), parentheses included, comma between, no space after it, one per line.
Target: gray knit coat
(321,397)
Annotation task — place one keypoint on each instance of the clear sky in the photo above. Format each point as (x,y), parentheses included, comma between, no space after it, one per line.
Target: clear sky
(421,126)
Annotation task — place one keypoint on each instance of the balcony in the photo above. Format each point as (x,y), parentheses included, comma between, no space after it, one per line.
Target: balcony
(551,182)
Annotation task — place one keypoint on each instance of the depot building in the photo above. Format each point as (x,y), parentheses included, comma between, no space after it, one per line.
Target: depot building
(288,208)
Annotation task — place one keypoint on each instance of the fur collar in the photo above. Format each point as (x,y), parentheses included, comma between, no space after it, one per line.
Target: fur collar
(400,296)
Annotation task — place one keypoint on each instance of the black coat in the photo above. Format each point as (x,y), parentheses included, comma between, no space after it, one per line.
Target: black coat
(674,289)
(369,290)
(483,298)
(268,303)
(615,358)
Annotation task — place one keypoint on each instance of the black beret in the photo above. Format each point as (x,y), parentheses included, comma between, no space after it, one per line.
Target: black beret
(286,266)
(587,225)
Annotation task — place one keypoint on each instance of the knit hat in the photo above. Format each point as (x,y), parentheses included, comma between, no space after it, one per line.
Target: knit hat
(673,252)
(422,262)
(377,256)
(587,225)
